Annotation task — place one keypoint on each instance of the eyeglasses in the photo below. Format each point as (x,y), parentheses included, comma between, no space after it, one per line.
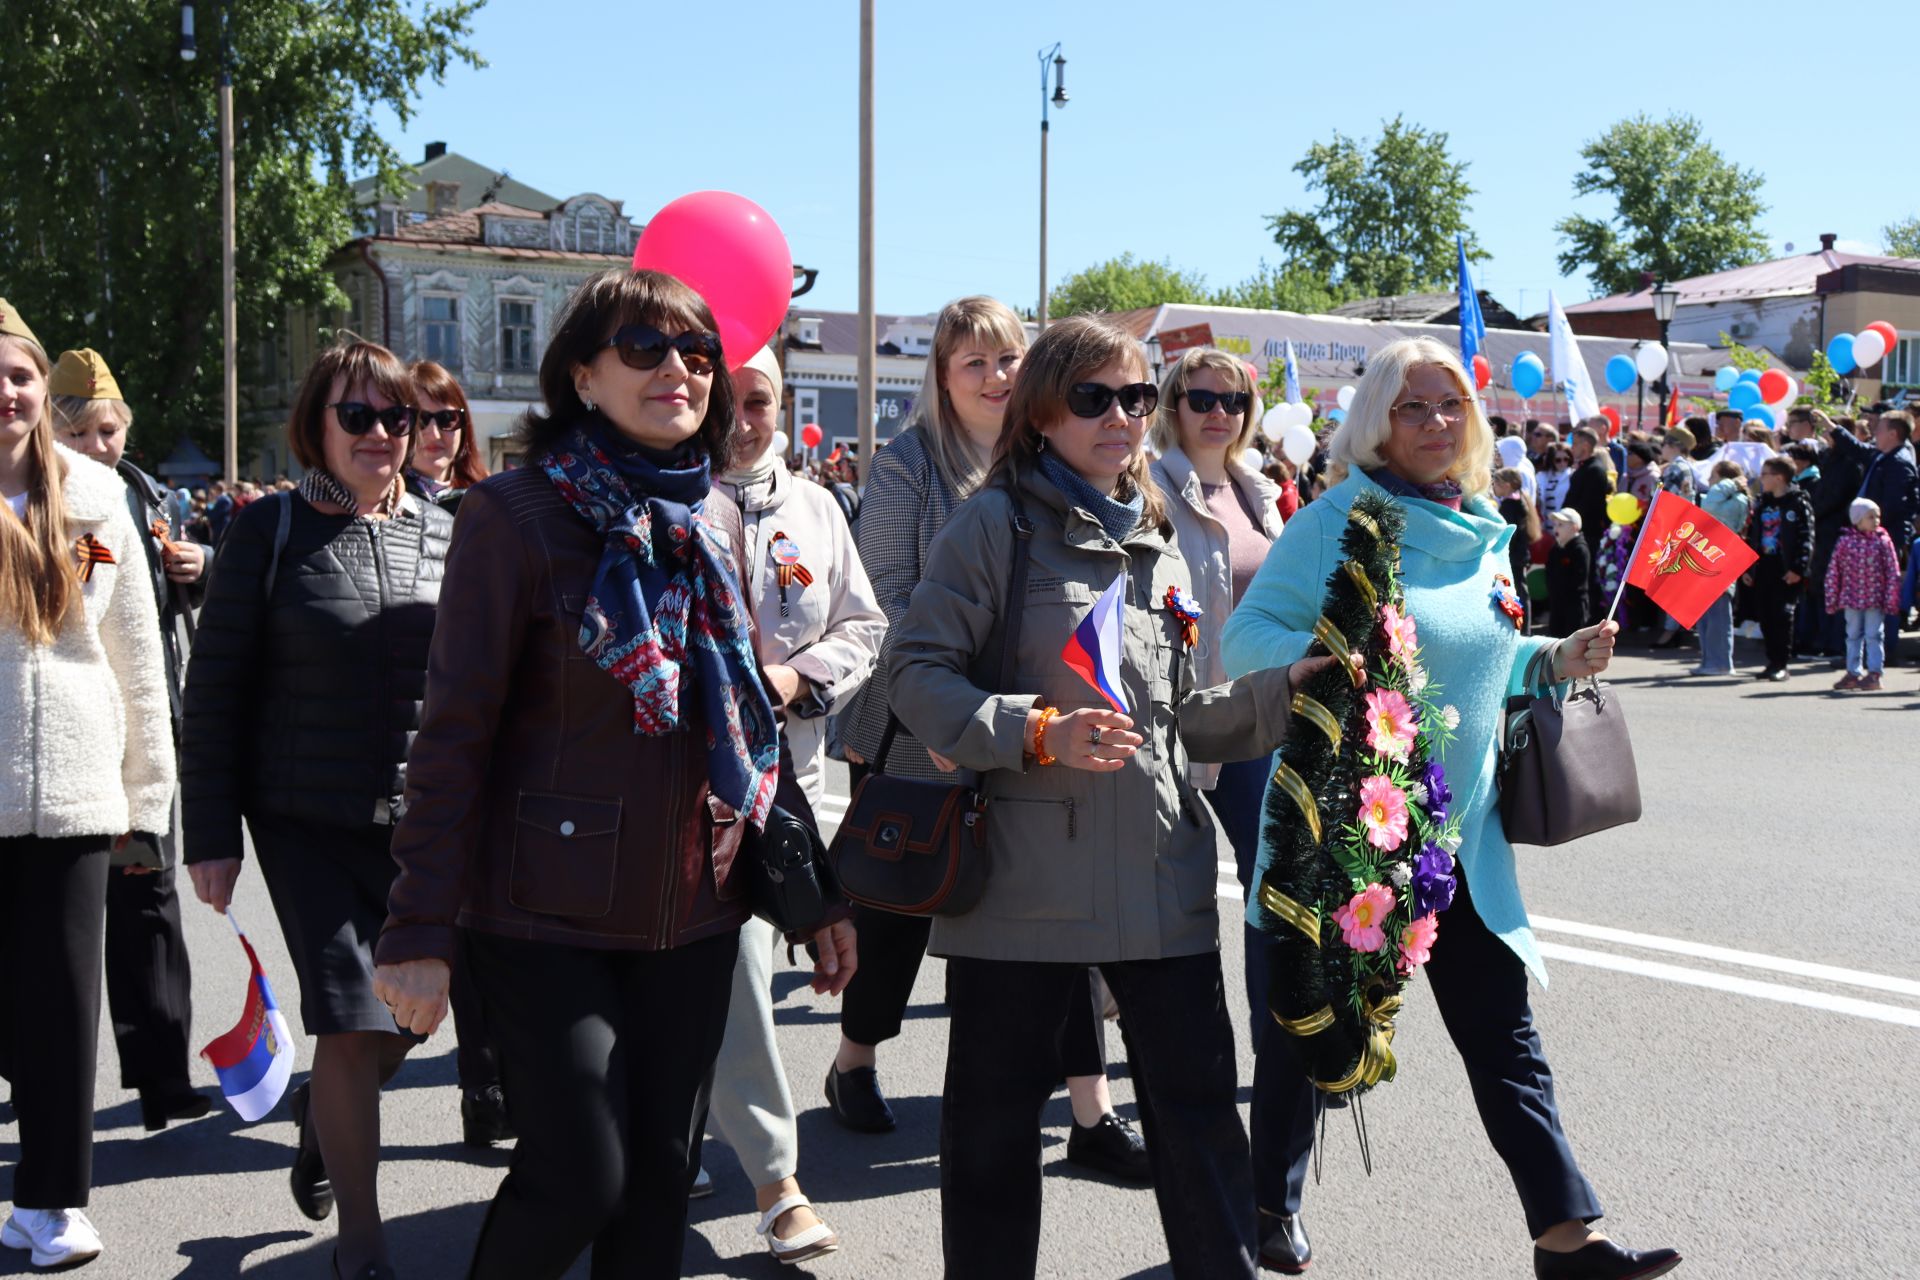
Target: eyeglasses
(447,420)
(1414,413)
(357,418)
(1091,399)
(1230,401)
(643,347)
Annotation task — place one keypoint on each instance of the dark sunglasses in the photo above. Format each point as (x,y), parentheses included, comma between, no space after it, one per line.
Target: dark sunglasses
(1090,399)
(357,418)
(643,347)
(447,420)
(1230,401)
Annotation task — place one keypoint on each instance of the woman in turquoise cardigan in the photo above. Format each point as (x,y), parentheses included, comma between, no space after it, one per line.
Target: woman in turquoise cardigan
(1416,432)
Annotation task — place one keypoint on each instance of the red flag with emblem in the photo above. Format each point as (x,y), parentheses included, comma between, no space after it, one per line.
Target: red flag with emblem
(1685,559)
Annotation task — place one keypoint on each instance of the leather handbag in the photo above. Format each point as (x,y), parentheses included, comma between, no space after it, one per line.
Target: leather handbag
(918,848)
(1566,762)
(789,882)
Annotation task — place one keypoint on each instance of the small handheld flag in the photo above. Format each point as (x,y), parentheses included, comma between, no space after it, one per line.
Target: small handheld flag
(1094,647)
(255,1059)
(1685,559)
(1291,395)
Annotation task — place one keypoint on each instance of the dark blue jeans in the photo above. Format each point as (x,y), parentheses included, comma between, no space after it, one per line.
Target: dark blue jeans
(1282,1119)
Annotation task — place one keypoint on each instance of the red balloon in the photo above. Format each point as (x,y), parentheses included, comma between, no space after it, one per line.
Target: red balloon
(810,434)
(1773,386)
(1612,415)
(728,250)
(1886,331)
(1482,372)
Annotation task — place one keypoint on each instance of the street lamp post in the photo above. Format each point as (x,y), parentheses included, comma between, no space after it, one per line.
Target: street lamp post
(229,307)
(1059,99)
(1665,299)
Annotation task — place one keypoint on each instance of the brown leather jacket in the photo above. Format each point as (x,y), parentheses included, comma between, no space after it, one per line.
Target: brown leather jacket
(533,809)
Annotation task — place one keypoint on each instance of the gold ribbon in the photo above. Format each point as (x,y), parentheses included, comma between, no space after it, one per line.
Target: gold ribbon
(1365,521)
(1291,783)
(1329,635)
(1312,711)
(1383,1013)
(1376,1063)
(1303,918)
(1358,573)
(1312,1024)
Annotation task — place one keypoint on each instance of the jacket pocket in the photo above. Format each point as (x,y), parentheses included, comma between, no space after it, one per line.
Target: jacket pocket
(566,851)
(727,834)
(1039,869)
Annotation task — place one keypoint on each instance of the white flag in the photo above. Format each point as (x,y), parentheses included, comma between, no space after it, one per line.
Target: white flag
(1569,370)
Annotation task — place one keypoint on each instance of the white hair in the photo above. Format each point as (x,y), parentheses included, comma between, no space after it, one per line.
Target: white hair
(1369,421)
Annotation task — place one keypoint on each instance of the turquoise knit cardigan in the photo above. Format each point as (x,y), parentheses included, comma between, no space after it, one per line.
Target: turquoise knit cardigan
(1470,649)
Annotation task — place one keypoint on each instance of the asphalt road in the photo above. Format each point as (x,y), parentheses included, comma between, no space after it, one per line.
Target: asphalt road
(1734,1001)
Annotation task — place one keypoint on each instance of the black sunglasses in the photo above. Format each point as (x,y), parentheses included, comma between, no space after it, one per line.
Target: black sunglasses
(448,420)
(357,418)
(643,347)
(1231,401)
(1090,399)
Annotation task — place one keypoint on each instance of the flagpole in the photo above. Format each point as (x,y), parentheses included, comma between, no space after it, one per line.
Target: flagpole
(1645,520)
(234,920)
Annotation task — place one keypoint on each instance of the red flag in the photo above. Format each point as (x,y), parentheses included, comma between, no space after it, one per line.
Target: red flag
(1685,559)
(1673,410)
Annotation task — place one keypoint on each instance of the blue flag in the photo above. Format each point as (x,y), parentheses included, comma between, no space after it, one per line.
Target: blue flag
(1292,393)
(1473,326)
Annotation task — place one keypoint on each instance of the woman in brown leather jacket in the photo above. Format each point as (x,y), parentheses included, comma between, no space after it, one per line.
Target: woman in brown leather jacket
(595,744)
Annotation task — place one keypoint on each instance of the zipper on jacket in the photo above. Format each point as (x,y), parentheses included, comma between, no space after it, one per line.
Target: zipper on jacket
(33,741)
(1073,828)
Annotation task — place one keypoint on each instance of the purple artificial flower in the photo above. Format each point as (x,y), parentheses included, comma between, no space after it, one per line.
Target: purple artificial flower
(1433,882)
(1439,797)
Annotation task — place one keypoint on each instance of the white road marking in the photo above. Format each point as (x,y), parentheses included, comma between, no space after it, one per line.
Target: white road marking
(1727,955)
(1737,986)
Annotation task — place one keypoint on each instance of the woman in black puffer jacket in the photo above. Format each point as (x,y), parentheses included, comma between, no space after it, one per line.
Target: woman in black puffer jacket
(302,700)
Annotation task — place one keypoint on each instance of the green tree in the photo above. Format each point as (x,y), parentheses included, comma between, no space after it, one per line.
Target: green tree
(1681,209)
(1902,238)
(111,210)
(1288,288)
(1389,211)
(1124,283)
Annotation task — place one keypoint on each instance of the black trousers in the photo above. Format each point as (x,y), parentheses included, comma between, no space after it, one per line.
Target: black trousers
(149,980)
(53,919)
(607,1059)
(1002,1066)
(1772,601)
(474,1058)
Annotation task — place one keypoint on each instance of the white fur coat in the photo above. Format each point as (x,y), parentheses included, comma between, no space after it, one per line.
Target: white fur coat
(84,721)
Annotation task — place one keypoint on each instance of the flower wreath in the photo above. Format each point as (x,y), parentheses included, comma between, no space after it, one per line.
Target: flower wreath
(1358,819)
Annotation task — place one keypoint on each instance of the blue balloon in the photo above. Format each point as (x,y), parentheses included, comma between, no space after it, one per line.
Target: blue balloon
(1750,375)
(1760,413)
(1840,353)
(1336,414)
(1621,373)
(1529,375)
(1528,357)
(1724,378)
(1745,395)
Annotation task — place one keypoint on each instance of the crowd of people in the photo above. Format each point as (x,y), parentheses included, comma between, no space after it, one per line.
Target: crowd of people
(501,745)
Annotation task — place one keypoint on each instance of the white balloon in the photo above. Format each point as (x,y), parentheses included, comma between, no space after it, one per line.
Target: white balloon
(1253,460)
(1651,361)
(1868,347)
(780,443)
(1303,415)
(1298,444)
(1273,424)
(1345,397)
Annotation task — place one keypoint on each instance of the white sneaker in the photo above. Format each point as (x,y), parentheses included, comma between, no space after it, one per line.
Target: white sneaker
(57,1237)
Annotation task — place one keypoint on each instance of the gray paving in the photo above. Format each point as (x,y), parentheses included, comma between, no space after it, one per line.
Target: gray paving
(1763,1137)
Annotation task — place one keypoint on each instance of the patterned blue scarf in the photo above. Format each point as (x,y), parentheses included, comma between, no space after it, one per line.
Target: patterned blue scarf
(1118,518)
(665,607)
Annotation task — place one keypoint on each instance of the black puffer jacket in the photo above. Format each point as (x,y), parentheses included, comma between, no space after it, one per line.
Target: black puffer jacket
(304,705)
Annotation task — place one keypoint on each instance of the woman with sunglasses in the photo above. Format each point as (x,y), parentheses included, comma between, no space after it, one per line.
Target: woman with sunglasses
(1225,516)
(597,741)
(447,458)
(1101,852)
(304,687)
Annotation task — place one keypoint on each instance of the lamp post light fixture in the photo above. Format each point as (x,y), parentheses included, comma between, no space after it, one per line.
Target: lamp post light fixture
(1058,99)
(1665,299)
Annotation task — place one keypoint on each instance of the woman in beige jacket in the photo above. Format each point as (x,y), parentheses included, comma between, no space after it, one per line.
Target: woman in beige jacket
(1101,853)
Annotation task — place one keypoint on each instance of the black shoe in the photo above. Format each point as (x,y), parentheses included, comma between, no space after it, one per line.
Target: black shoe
(1285,1248)
(312,1190)
(176,1102)
(1776,675)
(1603,1260)
(1112,1147)
(483,1117)
(857,1102)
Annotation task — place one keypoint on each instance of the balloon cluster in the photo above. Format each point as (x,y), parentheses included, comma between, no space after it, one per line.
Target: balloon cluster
(1847,352)
(1648,362)
(1291,427)
(1761,397)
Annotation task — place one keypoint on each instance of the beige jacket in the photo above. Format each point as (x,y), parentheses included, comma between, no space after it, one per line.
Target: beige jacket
(1086,867)
(1202,540)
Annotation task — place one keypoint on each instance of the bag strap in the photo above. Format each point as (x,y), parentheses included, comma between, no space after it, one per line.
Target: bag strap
(1013,610)
(283,526)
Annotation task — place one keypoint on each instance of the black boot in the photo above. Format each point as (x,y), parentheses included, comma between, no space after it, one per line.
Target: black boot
(1284,1246)
(312,1190)
(1112,1147)
(857,1102)
(483,1117)
(1603,1260)
(172,1102)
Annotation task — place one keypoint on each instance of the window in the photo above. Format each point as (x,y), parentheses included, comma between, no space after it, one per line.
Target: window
(516,336)
(440,329)
(1902,367)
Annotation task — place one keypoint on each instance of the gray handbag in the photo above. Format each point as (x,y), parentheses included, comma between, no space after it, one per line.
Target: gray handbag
(1566,762)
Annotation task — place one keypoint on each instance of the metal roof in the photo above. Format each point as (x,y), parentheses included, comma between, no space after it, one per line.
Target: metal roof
(1780,277)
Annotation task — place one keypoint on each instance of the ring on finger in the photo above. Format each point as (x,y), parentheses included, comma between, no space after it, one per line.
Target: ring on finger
(1093,736)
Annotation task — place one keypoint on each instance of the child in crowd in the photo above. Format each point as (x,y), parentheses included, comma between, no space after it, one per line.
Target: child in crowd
(1725,500)
(1780,531)
(1676,472)
(1516,507)
(1863,579)
(1569,576)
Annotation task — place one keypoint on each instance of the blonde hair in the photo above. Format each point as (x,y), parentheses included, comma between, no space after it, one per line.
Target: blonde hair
(980,319)
(39,581)
(73,412)
(1516,480)
(1369,421)
(1165,432)
(1068,352)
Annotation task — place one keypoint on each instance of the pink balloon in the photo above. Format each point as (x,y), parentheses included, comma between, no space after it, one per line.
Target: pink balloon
(729,251)
(810,434)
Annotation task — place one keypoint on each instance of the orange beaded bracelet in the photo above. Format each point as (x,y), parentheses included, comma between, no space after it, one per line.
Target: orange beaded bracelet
(1040,737)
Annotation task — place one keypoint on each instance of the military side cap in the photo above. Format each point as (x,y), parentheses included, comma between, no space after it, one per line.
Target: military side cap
(12,326)
(84,374)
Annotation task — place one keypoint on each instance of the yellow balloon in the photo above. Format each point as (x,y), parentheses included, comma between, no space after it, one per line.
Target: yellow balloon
(1623,508)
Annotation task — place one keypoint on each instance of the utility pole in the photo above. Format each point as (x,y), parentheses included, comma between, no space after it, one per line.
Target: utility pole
(229,306)
(868,338)
(1059,99)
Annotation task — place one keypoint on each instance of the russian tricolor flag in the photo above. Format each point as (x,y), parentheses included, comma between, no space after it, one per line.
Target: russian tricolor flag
(254,1060)
(1094,647)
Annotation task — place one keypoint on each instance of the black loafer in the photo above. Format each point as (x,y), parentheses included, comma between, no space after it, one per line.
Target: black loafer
(483,1117)
(159,1107)
(856,1101)
(312,1190)
(1112,1147)
(1284,1246)
(1603,1260)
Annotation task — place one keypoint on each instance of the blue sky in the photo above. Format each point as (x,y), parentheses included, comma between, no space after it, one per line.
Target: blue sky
(1184,124)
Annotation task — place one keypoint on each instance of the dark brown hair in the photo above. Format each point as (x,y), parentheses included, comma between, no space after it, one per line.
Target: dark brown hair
(1068,352)
(435,382)
(598,308)
(357,364)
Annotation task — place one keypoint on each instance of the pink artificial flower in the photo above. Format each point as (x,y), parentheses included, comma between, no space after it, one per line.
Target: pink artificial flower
(1416,942)
(1390,724)
(1402,640)
(1363,920)
(1383,813)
